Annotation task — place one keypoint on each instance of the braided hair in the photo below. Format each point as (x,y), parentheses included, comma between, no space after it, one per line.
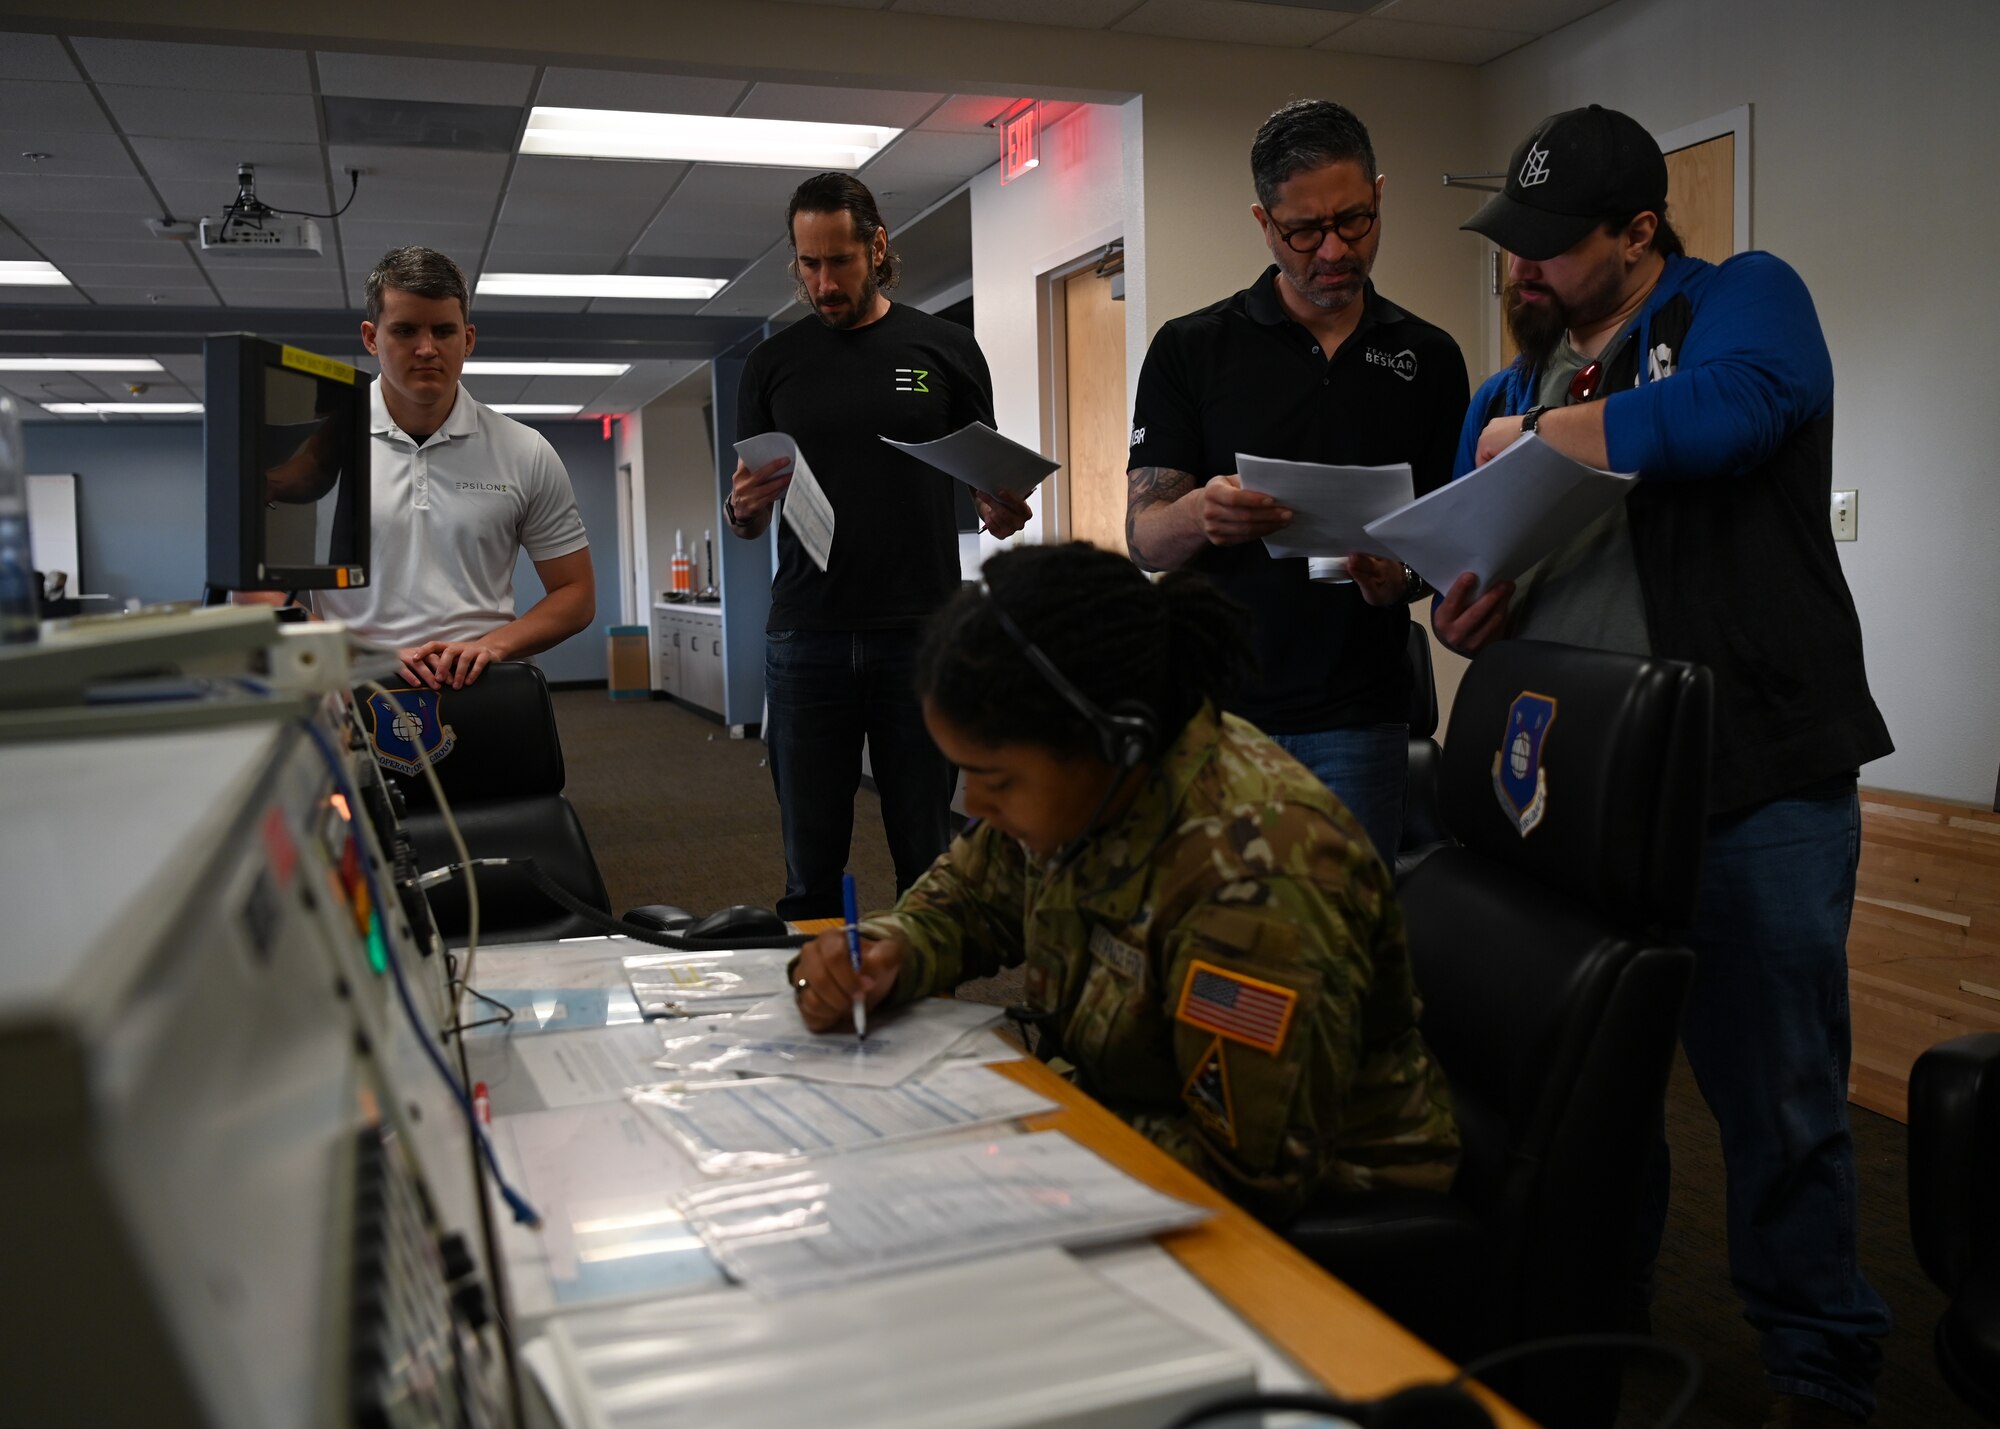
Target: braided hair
(1118,637)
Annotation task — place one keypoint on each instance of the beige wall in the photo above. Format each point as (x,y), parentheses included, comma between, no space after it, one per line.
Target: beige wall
(1872,133)
(681,489)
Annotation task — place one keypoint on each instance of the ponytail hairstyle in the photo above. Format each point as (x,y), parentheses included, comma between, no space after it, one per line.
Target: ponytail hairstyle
(1119,638)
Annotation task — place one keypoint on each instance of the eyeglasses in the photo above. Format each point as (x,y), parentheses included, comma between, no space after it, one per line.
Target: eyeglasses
(1352,228)
(1583,386)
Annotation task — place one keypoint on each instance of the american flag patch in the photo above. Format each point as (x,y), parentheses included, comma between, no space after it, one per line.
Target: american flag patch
(1240,1008)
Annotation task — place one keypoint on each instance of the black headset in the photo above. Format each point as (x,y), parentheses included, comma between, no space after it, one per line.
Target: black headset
(1126,733)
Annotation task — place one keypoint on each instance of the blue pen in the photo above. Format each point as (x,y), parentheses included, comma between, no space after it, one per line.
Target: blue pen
(854,952)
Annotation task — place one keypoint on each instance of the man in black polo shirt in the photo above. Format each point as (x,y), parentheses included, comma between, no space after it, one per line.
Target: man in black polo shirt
(840,645)
(1309,363)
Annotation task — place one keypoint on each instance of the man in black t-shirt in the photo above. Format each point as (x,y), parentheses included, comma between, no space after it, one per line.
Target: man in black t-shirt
(1309,363)
(840,644)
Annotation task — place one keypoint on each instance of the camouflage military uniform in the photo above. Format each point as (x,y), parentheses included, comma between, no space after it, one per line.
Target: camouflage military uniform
(1230,972)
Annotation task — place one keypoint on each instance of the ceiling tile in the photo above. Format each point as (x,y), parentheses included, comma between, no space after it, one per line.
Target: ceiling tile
(167,113)
(562,389)
(655,93)
(187,366)
(496,389)
(1073,14)
(51,108)
(625,213)
(151,296)
(1452,44)
(541,175)
(1538,16)
(318,299)
(652,307)
(825,104)
(957,156)
(56,193)
(365,242)
(35,57)
(520,249)
(430,168)
(40,297)
(260,271)
(140,252)
(970,114)
(411,77)
(671,238)
(126,275)
(506,306)
(230,68)
(14,248)
(97,155)
(1232,22)
(191,199)
(212,161)
(727,183)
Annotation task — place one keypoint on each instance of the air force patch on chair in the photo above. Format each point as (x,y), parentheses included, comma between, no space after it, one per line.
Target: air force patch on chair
(1518,777)
(405,742)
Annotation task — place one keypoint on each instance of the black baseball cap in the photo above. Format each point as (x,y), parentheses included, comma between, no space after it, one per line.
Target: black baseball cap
(1576,170)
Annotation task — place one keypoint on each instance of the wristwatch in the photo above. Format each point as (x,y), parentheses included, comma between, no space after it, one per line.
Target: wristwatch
(1532,419)
(1414,585)
(729,510)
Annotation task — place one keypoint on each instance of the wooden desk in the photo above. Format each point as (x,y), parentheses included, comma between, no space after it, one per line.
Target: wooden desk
(1328,1330)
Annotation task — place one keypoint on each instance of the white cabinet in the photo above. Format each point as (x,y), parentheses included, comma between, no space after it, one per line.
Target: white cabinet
(687,654)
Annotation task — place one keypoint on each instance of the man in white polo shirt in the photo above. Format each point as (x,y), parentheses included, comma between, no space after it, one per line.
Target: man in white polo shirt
(457,490)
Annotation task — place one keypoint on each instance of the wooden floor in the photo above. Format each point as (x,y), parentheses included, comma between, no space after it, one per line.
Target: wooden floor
(1924,955)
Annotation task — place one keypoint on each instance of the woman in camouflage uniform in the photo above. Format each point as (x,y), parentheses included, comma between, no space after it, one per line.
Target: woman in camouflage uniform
(1208,938)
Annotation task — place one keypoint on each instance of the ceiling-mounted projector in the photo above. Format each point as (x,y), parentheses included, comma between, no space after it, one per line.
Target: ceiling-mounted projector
(249,225)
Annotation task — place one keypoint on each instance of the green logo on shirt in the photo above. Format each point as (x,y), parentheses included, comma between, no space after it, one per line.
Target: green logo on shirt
(911,379)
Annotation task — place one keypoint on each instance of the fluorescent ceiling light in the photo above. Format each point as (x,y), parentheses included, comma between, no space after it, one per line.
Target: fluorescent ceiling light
(28,273)
(596,285)
(79,364)
(536,409)
(480,368)
(702,138)
(142,409)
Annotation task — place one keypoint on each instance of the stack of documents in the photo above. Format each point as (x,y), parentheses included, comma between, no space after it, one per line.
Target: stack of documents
(806,508)
(836,1220)
(772,1040)
(1495,522)
(550,987)
(1034,1339)
(752,1123)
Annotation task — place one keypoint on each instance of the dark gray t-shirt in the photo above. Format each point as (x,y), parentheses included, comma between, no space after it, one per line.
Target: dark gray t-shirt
(1586,593)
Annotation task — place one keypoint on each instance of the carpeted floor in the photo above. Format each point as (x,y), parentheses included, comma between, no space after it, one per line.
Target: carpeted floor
(678,812)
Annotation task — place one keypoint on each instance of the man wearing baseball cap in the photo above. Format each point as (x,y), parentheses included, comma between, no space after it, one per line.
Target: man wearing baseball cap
(1714,384)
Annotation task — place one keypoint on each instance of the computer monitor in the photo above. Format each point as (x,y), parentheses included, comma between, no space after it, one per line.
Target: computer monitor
(286,441)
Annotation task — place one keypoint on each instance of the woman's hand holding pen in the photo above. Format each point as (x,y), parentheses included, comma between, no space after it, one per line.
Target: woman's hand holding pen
(825,984)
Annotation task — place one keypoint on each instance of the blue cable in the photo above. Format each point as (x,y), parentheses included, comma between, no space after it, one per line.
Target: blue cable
(517,1203)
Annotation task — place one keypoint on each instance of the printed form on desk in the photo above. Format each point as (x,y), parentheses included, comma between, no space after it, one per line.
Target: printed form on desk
(842,1218)
(772,1040)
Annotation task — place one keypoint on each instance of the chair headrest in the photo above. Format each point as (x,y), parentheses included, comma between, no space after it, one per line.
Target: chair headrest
(1587,771)
(494,739)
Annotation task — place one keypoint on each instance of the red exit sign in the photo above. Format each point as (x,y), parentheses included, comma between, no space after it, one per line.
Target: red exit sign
(1020,141)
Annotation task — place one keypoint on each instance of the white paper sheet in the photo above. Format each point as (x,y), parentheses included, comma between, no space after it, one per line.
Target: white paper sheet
(806,508)
(1331,505)
(983,459)
(1501,519)
(756,1123)
(771,1039)
(600,1065)
(604,1182)
(850,1216)
(669,984)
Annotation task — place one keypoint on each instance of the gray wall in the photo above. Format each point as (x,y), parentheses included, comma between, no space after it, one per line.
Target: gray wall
(141,495)
(1872,144)
(139,500)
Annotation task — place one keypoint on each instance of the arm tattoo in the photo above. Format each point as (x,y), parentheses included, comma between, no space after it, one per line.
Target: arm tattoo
(1147,487)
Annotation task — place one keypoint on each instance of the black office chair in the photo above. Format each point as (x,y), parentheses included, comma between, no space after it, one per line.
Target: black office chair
(503,775)
(1573,783)
(1423,821)
(1955,1206)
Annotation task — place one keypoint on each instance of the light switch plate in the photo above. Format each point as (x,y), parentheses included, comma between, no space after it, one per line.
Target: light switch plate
(1846,515)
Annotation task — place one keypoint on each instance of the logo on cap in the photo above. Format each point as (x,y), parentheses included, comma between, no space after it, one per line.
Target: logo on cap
(1535,168)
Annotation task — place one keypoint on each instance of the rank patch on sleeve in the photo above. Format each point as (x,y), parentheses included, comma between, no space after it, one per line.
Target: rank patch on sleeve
(1207,1094)
(1243,1009)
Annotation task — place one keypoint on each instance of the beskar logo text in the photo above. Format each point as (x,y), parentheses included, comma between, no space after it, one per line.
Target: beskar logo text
(1535,168)
(1138,436)
(1403,364)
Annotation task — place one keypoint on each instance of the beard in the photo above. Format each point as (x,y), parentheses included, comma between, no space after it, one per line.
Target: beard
(1538,326)
(844,314)
(1331,300)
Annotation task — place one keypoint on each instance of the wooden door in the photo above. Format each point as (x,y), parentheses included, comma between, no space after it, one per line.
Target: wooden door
(1093,479)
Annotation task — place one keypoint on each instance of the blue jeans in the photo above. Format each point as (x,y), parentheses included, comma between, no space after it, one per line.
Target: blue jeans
(1767,1036)
(828,689)
(1367,766)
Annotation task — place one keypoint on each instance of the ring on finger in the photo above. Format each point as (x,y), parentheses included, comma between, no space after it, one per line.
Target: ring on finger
(799,984)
